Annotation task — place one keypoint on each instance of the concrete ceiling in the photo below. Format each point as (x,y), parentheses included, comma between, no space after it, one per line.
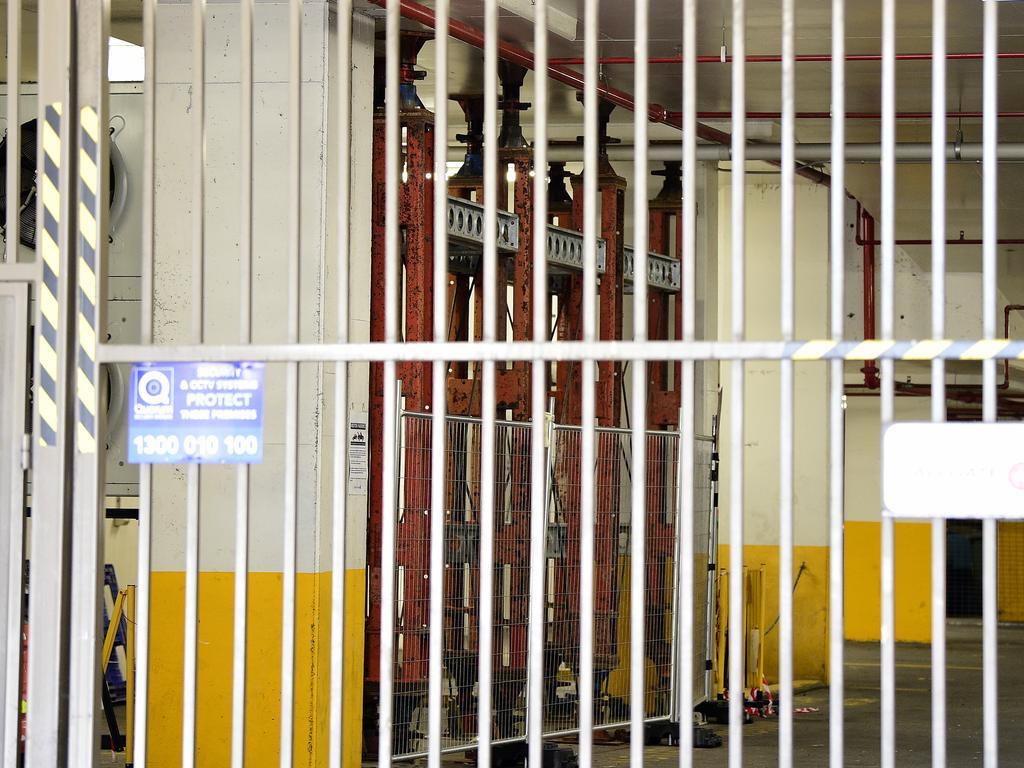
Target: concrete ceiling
(863,94)
(813,36)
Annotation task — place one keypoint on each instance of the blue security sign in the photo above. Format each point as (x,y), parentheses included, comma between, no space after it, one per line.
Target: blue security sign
(196,413)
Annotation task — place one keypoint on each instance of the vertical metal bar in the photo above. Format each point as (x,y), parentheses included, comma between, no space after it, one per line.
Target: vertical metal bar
(888,617)
(129,674)
(736,368)
(240,635)
(189,695)
(687,426)
(538,391)
(638,471)
(11,644)
(12,224)
(90,248)
(191,614)
(488,401)
(438,433)
(291,449)
(938,526)
(588,370)
(989,251)
(146,337)
(837,264)
(12,502)
(49,542)
(339,516)
(392,288)
(787,323)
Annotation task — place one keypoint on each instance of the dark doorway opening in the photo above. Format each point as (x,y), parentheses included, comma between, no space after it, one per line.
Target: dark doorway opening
(963,568)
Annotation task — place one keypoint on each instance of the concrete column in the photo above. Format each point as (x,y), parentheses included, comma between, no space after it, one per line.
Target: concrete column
(173,281)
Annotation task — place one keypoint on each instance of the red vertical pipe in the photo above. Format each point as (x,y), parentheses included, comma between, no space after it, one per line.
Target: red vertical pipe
(870,368)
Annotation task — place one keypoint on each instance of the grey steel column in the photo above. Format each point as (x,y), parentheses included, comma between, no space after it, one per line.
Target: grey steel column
(48,611)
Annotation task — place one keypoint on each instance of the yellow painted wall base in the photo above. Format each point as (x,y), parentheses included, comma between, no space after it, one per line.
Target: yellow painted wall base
(810,607)
(263,695)
(1010,538)
(862,569)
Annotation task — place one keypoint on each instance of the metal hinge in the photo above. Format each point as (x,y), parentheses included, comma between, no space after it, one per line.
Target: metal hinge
(26,452)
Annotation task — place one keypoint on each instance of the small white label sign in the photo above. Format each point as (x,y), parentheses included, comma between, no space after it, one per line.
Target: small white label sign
(963,470)
(358,454)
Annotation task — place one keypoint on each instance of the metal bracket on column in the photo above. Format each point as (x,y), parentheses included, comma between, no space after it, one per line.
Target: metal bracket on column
(565,251)
(663,272)
(466,234)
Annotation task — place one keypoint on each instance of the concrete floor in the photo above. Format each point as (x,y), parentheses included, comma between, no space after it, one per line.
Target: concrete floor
(913,712)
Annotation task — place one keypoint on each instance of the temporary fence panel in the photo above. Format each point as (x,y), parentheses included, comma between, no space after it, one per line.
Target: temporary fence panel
(461,594)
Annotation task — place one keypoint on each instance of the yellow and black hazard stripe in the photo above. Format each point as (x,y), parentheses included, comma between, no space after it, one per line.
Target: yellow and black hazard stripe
(49,248)
(88,246)
(929,349)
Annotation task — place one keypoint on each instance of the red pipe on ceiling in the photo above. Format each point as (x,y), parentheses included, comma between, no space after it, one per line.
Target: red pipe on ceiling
(862,239)
(471,35)
(851,115)
(870,369)
(776,58)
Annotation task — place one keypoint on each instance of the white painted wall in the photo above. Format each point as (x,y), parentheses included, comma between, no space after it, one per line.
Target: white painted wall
(173,281)
(761,436)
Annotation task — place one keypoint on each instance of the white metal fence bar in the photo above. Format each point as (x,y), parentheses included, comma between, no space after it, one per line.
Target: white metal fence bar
(291,446)
(836,469)
(240,634)
(786,329)
(887,400)
(145,537)
(588,500)
(990,223)
(639,468)
(393,168)
(540,432)
(193,475)
(438,464)
(10,645)
(938,404)
(488,400)
(737,259)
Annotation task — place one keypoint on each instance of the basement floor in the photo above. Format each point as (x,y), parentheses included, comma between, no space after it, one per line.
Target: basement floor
(913,712)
